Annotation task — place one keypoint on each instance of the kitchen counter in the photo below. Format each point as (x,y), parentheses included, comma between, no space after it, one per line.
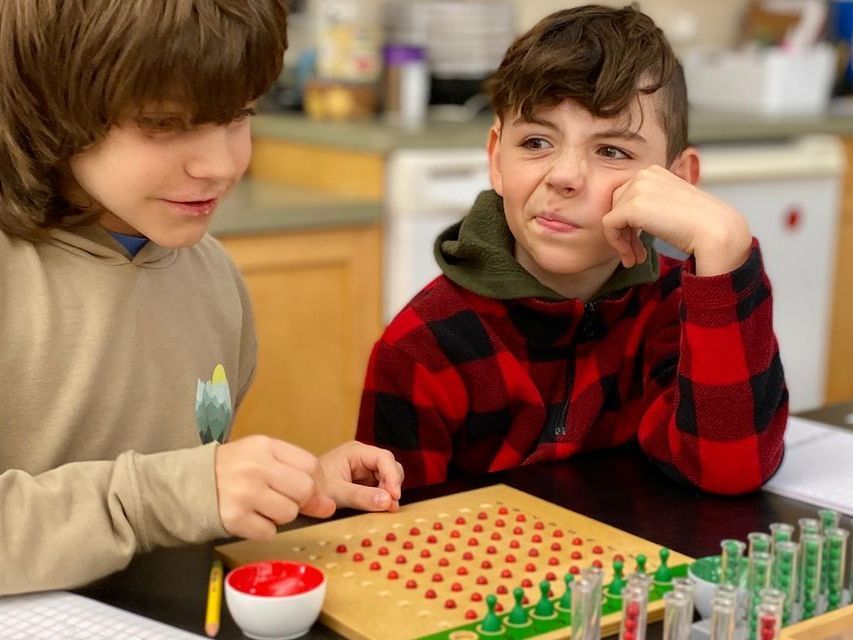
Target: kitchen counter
(256,207)
(374,136)
(261,205)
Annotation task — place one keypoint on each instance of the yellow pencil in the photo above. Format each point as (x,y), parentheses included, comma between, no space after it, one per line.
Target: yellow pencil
(214,600)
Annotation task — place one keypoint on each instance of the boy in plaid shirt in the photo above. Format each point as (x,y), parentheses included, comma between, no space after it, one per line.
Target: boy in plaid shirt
(556,328)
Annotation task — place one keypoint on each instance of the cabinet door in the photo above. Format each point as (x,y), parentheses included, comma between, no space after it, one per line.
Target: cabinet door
(840,383)
(316,297)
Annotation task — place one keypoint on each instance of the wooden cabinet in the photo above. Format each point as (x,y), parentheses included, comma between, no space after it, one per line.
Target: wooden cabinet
(316,297)
(334,170)
(840,379)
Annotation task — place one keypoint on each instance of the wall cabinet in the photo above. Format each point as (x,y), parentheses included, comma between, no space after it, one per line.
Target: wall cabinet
(316,297)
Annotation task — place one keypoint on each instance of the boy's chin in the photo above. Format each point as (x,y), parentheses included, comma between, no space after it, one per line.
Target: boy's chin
(178,240)
(560,265)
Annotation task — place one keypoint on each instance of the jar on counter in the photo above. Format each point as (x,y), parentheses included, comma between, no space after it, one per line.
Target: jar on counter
(349,40)
(406,86)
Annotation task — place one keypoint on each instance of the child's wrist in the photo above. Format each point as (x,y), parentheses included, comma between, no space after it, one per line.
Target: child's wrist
(722,253)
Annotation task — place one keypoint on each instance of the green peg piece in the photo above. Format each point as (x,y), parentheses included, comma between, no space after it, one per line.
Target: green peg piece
(663,575)
(614,589)
(641,563)
(491,623)
(566,598)
(544,608)
(518,616)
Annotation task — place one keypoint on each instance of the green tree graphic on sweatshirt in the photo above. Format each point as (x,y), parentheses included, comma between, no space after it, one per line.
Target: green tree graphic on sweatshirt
(213,411)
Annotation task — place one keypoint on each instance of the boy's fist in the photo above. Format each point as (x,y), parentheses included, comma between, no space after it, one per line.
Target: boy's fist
(670,208)
(262,482)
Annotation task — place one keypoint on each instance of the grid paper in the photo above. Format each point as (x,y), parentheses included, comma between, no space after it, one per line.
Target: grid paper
(814,467)
(60,615)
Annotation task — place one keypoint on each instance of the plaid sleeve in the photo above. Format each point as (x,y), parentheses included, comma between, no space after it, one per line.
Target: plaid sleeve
(409,408)
(715,400)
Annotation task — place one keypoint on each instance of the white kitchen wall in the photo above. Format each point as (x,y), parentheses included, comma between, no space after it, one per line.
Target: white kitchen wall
(685,22)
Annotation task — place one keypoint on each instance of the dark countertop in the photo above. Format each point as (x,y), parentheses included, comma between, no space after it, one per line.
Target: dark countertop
(618,487)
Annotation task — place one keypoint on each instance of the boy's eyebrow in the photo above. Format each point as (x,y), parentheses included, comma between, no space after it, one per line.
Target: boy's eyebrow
(621,133)
(624,134)
(534,120)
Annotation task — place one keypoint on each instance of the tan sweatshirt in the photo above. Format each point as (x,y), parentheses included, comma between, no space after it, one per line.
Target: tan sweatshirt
(100,360)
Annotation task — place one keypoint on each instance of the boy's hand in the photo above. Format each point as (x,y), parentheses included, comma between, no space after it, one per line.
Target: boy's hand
(363,477)
(262,482)
(661,203)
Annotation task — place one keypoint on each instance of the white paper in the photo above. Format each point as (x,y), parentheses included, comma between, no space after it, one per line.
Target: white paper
(817,465)
(60,614)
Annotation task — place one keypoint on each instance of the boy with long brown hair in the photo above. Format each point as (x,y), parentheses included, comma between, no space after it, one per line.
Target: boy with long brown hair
(122,125)
(556,328)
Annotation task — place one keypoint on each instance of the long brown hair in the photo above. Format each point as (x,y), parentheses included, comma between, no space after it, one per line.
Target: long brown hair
(71,69)
(600,57)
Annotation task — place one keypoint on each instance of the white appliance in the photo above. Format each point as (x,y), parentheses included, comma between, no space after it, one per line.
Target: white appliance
(789,192)
(427,191)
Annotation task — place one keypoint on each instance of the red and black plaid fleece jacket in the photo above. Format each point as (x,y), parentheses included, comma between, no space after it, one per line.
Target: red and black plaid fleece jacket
(462,382)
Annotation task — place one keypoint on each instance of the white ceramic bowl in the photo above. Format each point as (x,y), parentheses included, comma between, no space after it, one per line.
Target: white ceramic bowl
(706,574)
(275,599)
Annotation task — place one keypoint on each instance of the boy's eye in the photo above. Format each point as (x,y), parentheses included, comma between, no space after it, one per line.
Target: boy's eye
(614,153)
(536,144)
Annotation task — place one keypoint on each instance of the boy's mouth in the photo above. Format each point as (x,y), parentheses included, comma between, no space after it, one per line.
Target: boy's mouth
(194,208)
(555,224)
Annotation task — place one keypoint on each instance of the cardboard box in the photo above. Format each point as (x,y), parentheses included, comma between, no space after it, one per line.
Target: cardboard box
(770,81)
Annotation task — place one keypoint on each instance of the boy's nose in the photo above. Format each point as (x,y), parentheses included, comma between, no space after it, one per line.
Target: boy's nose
(568,172)
(216,154)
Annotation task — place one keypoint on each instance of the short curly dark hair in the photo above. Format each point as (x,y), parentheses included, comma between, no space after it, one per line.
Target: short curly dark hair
(600,57)
(71,70)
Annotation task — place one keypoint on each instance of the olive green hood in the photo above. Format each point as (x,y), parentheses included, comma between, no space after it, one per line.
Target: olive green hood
(477,253)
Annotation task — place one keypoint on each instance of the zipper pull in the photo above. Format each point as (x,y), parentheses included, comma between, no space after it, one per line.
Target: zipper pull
(588,324)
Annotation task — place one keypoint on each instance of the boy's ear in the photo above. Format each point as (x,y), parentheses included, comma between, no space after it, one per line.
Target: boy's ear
(493,146)
(686,165)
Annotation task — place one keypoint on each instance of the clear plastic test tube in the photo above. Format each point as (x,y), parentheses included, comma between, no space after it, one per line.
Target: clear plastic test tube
(583,617)
(758,573)
(834,563)
(723,611)
(773,597)
(595,576)
(783,575)
(686,586)
(757,578)
(829,519)
(758,541)
(769,595)
(644,579)
(635,602)
(811,547)
(780,532)
(808,525)
(731,561)
(726,591)
(736,595)
(769,622)
(677,616)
